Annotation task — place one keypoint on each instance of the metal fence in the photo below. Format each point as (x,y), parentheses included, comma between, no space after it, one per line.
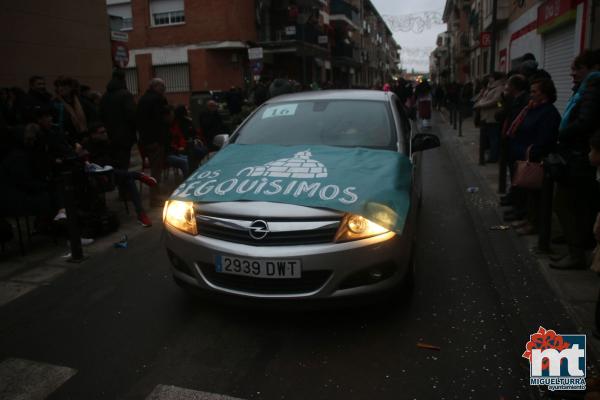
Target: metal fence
(176,77)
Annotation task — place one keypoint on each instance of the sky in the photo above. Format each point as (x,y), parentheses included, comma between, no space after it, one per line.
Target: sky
(414,16)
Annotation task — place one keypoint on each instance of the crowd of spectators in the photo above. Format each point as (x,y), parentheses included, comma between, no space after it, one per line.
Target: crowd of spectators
(89,137)
(519,123)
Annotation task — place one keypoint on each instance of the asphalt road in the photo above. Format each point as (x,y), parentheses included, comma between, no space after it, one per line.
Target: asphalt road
(122,327)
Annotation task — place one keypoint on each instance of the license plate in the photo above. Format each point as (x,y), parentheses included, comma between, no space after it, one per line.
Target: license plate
(269,268)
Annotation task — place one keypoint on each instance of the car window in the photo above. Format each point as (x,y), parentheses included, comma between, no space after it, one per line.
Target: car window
(330,122)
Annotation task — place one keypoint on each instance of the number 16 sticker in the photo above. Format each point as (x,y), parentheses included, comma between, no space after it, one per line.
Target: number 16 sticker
(284,110)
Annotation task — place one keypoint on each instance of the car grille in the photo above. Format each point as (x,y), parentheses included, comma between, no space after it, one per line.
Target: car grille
(309,282)
(292,235)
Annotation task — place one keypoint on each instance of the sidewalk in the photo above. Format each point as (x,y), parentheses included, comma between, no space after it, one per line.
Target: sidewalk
(45,261)
(577,290)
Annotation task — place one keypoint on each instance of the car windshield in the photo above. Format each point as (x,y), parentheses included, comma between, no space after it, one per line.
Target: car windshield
(347,123)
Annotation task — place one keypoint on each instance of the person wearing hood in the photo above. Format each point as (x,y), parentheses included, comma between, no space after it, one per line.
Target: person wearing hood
(280,86)
(117,112)
(528,67)
(488,105)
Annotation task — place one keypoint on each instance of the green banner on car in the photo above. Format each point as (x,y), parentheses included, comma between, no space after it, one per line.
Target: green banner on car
(375,184)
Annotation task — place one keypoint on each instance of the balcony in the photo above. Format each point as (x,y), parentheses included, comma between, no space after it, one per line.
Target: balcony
(307,33)
(501,17)
(348,51)
(342,11)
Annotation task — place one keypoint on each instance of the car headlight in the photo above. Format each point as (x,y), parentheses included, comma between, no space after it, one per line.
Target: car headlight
(180,215)
(355,227)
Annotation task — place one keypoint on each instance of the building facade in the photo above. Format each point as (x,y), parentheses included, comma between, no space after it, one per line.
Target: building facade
(53,38)
(198,45)
(553,31)
(456,16)
(439,60)
(202,45)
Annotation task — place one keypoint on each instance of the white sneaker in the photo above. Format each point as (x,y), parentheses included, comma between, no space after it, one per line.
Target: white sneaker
(96,168)
(62,214)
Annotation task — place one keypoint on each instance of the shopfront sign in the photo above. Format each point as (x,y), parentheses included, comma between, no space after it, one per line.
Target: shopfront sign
(119,49)
(255,53)
(555,13)
(485,39)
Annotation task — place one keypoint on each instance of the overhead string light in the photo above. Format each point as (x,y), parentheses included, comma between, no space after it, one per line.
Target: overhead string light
(415,22)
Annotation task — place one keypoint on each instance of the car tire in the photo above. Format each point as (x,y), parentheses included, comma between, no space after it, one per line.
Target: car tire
(408,282)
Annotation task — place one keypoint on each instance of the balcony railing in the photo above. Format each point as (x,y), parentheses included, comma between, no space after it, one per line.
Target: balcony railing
(341,7)
(306,33)
(346,51)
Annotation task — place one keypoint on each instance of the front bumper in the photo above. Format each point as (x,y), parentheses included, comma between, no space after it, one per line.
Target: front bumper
(331,270)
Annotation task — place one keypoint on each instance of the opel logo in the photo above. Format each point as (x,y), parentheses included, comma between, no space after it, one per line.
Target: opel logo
(259,229)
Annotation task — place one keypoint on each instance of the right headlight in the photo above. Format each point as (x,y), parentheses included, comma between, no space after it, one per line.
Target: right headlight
(356,227)
(180,215)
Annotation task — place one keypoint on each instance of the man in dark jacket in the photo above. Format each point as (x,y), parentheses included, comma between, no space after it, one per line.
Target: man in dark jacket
(37,99)
(211,123)
(153,126)
(117,111)
(516,97)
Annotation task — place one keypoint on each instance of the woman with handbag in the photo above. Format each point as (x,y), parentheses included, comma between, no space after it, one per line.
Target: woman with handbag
(577,197)
(532,136)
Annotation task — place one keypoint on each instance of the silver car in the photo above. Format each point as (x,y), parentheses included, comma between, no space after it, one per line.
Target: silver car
(282,251)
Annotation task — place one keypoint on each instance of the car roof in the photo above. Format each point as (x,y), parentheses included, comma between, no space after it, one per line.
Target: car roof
(348,94)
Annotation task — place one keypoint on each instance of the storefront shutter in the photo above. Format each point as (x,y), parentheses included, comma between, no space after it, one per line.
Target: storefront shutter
(559,51)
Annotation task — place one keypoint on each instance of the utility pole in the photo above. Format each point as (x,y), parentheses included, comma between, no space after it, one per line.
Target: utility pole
(493,36)
(303,19)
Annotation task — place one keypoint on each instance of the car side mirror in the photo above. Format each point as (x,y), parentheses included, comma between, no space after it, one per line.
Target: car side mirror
(424,141)
(221,140)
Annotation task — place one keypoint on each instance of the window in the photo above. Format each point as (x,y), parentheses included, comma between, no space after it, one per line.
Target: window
(347,123)
(176,77)
(167,12)
(131,80)
(127,24)
(123,12)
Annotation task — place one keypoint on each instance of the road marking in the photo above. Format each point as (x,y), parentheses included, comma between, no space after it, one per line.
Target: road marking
(164,392)
(24,283)
(12,290)
(30,380)
(39,275)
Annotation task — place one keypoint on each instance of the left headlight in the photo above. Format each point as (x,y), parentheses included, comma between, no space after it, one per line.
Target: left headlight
(356,227)
(180,215)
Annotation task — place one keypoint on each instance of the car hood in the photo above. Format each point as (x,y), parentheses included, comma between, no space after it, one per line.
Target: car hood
(264,209)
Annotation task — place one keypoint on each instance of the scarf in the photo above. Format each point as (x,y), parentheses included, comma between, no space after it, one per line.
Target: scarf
(76,113)
(575,99)
(512,130)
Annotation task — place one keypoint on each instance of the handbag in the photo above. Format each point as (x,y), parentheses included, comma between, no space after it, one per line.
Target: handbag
(528,174)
